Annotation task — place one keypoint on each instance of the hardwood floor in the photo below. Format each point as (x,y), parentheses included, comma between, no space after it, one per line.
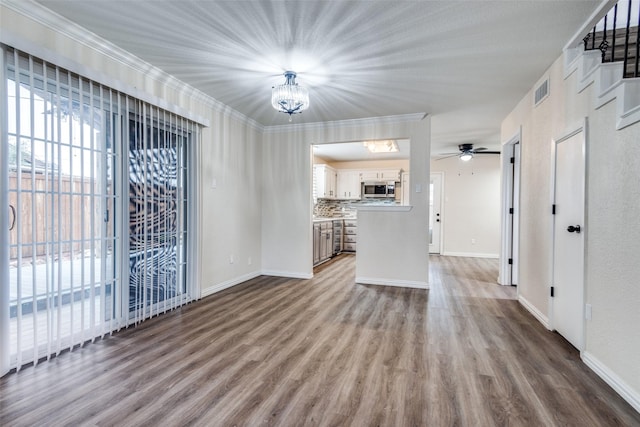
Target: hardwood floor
(326,351)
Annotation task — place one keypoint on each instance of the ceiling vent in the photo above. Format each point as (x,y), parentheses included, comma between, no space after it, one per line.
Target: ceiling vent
(542,92)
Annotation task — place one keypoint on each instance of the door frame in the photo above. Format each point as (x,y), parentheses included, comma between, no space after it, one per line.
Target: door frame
(510,223)
(4,221)
(582,127)
(440,175)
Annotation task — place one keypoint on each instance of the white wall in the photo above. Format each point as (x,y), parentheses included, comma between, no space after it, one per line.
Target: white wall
(230,150)
(612,225)
(287,204)
(231,223)
(471,207)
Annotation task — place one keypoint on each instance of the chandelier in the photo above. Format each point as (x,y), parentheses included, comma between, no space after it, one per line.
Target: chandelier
(289,97)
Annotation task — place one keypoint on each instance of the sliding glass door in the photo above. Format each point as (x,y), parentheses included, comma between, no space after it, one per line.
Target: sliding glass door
(158,212)
(96,186)
(61,234)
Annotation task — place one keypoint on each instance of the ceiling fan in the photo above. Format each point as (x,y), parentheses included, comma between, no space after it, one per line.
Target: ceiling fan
(467,152)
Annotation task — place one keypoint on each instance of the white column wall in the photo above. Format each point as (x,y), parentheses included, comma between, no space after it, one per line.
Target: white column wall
(287,204)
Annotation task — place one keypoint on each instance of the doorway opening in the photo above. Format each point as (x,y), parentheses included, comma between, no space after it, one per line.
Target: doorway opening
(435,213)
(509,259)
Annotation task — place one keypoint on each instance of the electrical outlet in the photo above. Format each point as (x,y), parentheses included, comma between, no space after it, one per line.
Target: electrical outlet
(473,241)
(249,261)
(231,259)
(587,311)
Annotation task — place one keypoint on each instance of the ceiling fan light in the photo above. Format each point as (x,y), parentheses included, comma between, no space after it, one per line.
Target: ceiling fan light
(466,156)
(290,98)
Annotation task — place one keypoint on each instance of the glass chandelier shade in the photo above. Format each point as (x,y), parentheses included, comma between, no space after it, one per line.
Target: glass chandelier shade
(289,97)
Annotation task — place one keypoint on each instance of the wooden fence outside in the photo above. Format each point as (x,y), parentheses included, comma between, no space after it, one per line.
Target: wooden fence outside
(52,210)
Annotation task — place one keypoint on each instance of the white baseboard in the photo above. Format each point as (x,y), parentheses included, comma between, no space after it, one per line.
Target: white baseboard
(623,389)
(397,283)
(533,310)
(229,283)
(291,274)
(471,255)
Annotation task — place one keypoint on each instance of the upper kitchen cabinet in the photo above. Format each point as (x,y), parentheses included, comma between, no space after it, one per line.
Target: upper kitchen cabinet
(348,186)
(380,175)
(325,181)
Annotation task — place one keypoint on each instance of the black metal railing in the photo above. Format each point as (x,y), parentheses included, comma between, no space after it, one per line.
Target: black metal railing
(616,36)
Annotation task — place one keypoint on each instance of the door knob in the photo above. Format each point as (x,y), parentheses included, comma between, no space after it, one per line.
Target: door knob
(572,229)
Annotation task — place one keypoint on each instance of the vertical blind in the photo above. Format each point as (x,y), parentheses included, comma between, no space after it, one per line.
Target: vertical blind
(99,187)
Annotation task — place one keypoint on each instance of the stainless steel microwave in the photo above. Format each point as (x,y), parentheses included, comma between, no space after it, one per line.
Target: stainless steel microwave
(379,189)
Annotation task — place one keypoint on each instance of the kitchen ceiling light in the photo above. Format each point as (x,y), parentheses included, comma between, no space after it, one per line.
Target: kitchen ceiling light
(383,146)
(466,156)
(289,97)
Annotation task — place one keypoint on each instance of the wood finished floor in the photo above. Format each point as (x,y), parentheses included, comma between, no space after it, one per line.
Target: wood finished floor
(326,351)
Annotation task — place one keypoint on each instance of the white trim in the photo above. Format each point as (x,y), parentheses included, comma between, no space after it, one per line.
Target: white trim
(290,274)
(368,121)
(66,63)
(440,175)
(597,14)
(534,311)
(229,283)
(471,255)
(608,84)
(5,333)
(81,35)
(628,104)
(510,235)
(389,282)
(618,384)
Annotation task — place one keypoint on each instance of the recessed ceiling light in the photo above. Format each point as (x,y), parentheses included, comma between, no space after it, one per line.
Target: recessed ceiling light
(381,146)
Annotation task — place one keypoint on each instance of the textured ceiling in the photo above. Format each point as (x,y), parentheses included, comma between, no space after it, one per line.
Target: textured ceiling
(466,63)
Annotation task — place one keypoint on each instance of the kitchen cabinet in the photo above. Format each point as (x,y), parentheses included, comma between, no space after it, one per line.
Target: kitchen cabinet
(337,236)
(322,241)
(349,236)
(317,234)
(325,181)
(372,175)
(348,185)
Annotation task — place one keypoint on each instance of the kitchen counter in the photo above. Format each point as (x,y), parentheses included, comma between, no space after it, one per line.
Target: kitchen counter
(323,219)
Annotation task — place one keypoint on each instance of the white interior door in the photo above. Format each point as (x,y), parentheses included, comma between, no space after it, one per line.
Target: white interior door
(509,259)
(568,261)
(435,213)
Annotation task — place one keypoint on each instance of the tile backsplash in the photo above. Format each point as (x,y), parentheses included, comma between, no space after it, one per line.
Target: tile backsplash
(330,208)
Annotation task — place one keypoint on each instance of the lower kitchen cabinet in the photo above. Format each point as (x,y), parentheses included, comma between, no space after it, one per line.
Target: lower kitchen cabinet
(322,241)
(337,236)
(350,232)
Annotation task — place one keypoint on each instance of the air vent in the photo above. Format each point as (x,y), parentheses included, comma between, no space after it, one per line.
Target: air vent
(542,92)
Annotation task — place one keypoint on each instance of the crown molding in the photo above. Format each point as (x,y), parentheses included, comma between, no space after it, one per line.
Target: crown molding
(368,121)
(46,17)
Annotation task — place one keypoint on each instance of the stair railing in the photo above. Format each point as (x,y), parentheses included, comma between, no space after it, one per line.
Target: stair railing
(620,43)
